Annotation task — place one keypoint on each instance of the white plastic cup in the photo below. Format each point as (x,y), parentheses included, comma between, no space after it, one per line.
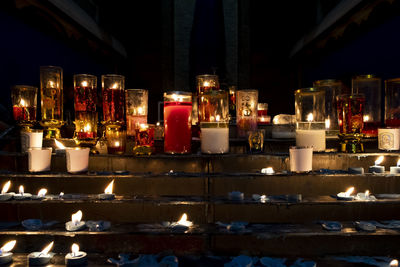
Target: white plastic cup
(33,139)
(300,159)
(77,159)
(39,159)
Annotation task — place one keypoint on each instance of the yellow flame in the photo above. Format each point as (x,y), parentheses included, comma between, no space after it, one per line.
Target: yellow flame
(394,263)
(184,221)
(177,98)
(115,86)
(42,192)
(8,246)
(48,248)
(366,118)
(84,83)
(206,84)
(310,117)
(87,128)
(327,123)
(158,124)
(52,84)
(109,188)
(379,160)
(217,118)
(116,144)
(349,191)
(76,217)
(140,110)
(6,186)
(143,126)
(21,189)
(59,144)
(269,170)
(74,249)
(22,103)
(366,193)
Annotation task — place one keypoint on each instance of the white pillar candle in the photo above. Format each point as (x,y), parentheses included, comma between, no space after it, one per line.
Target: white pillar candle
(39,159)
(389,139)
(300,159)
(214,140)
(311,138)
(33,139)
(77,159)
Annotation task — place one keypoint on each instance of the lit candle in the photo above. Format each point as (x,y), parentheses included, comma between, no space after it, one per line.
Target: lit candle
(395,169)
(5,254)
(41,258)
(76,257)
(108,192)
(21,194)
(182,224)
(346,195)
(41,194)
(376,168)
(268,170)
(75,224)
(365,196)
(4,192)
(394,263)
(60,147)
(311,137)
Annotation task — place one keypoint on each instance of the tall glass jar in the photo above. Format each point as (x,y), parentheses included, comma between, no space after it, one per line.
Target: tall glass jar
(24,101)
(370,86)
(246,111)
(310,118)
(392,103)
(85,99)
(332,89)
(136,109)
(113,99)
(177,122)
(51,93)
(214,122)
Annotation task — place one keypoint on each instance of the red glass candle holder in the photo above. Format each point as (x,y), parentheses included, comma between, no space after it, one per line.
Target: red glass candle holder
(24,99)
(144,139)
(113,99)
(116,140)
(136,109)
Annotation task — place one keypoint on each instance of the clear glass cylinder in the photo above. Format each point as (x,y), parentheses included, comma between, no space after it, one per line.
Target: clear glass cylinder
(206,82)
(24,102)
(309,108)
(214,122)
(392,103)
(370,86)
(136,109)
(116,140)
(177,122)
(113,99)
(246,111)
(332,89)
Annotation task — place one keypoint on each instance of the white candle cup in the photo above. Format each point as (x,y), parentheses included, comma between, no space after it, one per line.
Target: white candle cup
(77,159)
(311,138)
(394,170)
(6,257)
(389,139)
(300,159)
(75,259)
(32,139)
(214,140)
(39,258)
(6,196)
(356,170)
(39,159)
(23,196)
(343,196)
(105,196)
(376,169)
(74,227)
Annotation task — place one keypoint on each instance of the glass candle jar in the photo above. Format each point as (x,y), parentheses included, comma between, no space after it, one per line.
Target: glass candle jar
(206,82)
(392,103)
(136,109)
(214,122)
(246,111)
(332,89)
(177,122)
(262,114)
(370,86)
(24,99)
(116,140)
(113,99)
(51,93)
(85,99)
(144,139)
(310,118)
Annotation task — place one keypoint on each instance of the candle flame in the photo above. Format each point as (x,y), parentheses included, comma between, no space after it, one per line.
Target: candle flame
(74,249)
(394,263)
(158,124)
(109,188)
(217,118)
(21,189)
(327,123)
(42,192)
(349,191)
(51,84)
(23,103)
(47,249)
(76,217)
(177,98)
(87,128)
(268,170)
(366,193)
(366,118)
(84,83)
(116,144)
(183,221)
(115,86)
(8,246)
(206,84)
(143,126)
(379,160)
(310,117)
(6,186)
(140,110)
(59,144)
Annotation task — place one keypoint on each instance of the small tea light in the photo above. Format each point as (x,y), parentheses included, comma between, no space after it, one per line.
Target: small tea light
(182,224)
(76,257)
(395,169)
(4,195)
(356,170)
(376,168)
(21,194)
(108,192)
(41,194)
(365,196)
(41,258)
(268,170)
(5,254)
(77,159)
(346,195)
(39,159)
(75,224)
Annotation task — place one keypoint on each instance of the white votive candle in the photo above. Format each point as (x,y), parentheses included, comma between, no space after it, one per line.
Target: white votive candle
(300,159)
(39,159)
(76,257)
(32,139)
(214,140)
(311,138)
(77,159)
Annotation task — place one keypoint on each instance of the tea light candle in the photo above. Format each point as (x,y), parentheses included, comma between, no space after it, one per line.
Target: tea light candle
(41,258)
(300,159)
(21,194)
(75,224)
(41,194)
(5,254)
(365,196)
(4,195)
(356,170)
(376,168)
(346,195)
(39,159)
(108,192)
(77,159)
(182,224)
(76,257)
(268,170)
(395,169)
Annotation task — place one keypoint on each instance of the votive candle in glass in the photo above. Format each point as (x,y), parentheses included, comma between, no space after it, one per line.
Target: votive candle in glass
(24,99)
(206,82)
(113,99)
(246,111)
(136,109)
(177,122)
(116,140)
(262,114)
(144,139)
